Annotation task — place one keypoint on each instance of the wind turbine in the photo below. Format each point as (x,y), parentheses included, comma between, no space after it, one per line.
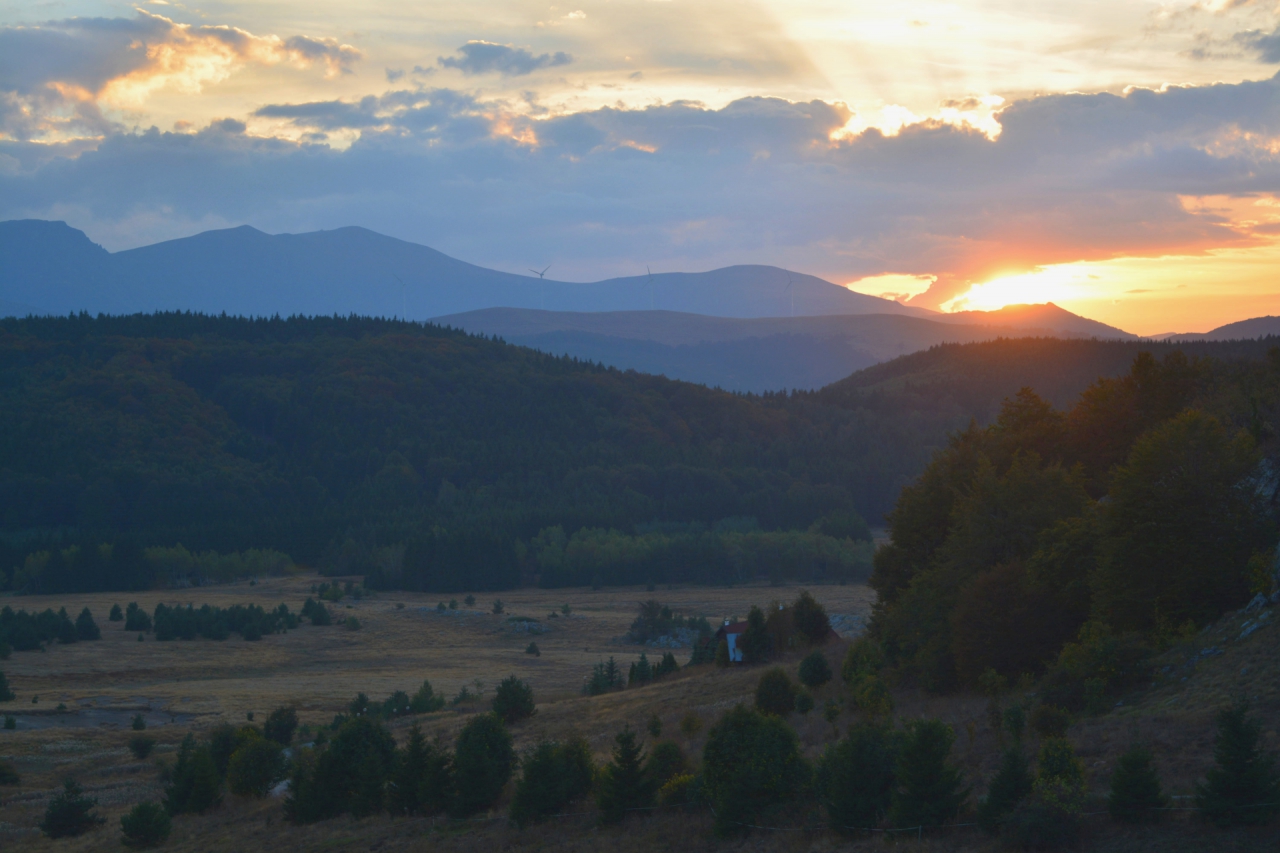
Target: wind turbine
(402,309)
(542,287)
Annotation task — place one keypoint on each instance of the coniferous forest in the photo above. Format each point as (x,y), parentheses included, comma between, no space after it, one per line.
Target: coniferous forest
(177,448)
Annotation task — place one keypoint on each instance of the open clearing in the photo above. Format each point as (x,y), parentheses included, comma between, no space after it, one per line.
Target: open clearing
(193,685)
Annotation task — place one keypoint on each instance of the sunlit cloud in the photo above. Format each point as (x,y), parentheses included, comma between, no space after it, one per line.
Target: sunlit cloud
(897,287)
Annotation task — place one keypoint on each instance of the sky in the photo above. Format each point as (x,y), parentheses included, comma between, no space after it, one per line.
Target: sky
(1119,158)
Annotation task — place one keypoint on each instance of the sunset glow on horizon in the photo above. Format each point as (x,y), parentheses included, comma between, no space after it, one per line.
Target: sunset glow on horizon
(1119,159)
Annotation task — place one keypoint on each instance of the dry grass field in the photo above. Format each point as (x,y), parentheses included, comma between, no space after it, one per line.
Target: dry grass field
(196,684)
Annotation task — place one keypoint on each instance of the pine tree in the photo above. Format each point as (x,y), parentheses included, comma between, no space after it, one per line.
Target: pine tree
(482,760)
(146,825)
(6,692)
(855,778)
(196,785)
(624,785)
(553,775)
(1135,788)
(1243,788)
(927,787)
(755,642)
(86,628)
(116,615)
(1010,786)
(513,700)
(411,765)
(70,813)
(775,694)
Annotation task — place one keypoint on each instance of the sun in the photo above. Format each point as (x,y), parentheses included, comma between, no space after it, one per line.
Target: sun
(1047,284)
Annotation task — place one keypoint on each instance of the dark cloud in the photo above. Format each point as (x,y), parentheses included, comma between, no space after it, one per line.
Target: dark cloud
(1265,45)
(1071,177)
(482,57)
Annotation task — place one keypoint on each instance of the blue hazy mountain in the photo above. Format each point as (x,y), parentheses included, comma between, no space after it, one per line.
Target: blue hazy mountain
(52,268)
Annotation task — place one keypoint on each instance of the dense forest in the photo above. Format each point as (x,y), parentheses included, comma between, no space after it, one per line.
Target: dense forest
(1071,543)
(427,458)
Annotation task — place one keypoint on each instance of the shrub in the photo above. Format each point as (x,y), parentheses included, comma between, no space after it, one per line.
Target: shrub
(498,607)
(397,704)
(677,791)
(139,723)
(1015,721)
(1242,787)
(470,600)
(855,778)
(1050,721)
(815,671)
(196,785)
(804,701)
(532,649)
(8,776)
(927,788)
(10,722)
(810,619)
(146,825)
(513,700)
(751,764)
(690,724)
(6,692)
(666,761)
(141,746)
(223,740)
(864,658)
(350,775)
(70,813)
(352,624)
(776,694)
(722,654)
(423,779)
(1135,788)
(425,701)
(116,615)
(86,628)
(255,767)
(483,760)
(281,725)
(552,776)
(623,783)
(1050,817)
(1010,786)
(654,726)
(871,696)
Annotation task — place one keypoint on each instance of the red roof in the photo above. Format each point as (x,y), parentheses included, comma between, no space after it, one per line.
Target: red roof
(735,628)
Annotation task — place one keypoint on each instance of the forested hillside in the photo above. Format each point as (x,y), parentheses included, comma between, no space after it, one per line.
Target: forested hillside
(1074,543)
(428,458)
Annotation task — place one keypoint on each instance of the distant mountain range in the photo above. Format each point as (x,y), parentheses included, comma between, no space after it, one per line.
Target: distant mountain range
(762,354)
(1244,330)
(50,267)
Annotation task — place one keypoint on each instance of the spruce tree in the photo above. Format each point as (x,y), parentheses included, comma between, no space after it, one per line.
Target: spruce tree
(855,778)
(928,788)
(116,615)
(483,761)
(513,700)
(196,785)
(755,642)
(146,825)
(624,785)
(776,694)
(70,813)
(553,775)
(86,628)
(6,693)
(8,776)
(1135,788)
(1242,788)
(1010,786)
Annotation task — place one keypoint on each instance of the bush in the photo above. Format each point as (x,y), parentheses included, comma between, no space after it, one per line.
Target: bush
(623,783)
(1050,721)
(1242,788)
(871,696)
(10,722)
(141,746)
(425,701)
(1135,788)
(470,600)
(677,791)
(1011,785)
(422,783)
(815,671)
(483,761)
(532,649)
(654,726)
(196,785)
(804,701)
(498,607)
(86,628)
(690,724)
(70,813)
(255,767)
(139,723)
(146,825)
(810,619)
(864,658)
(8,776)
(855,778)
(6,692)
(350,775)
(776,694)
(352,624)
(751,765)
(1050,817)
(927,791)
(665,762)
(513,700)
(281,725)
(552,776)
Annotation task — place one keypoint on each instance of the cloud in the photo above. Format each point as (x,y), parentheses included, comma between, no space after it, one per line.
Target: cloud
(58,75)
(679,185)
(1265,45)
(483,57)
